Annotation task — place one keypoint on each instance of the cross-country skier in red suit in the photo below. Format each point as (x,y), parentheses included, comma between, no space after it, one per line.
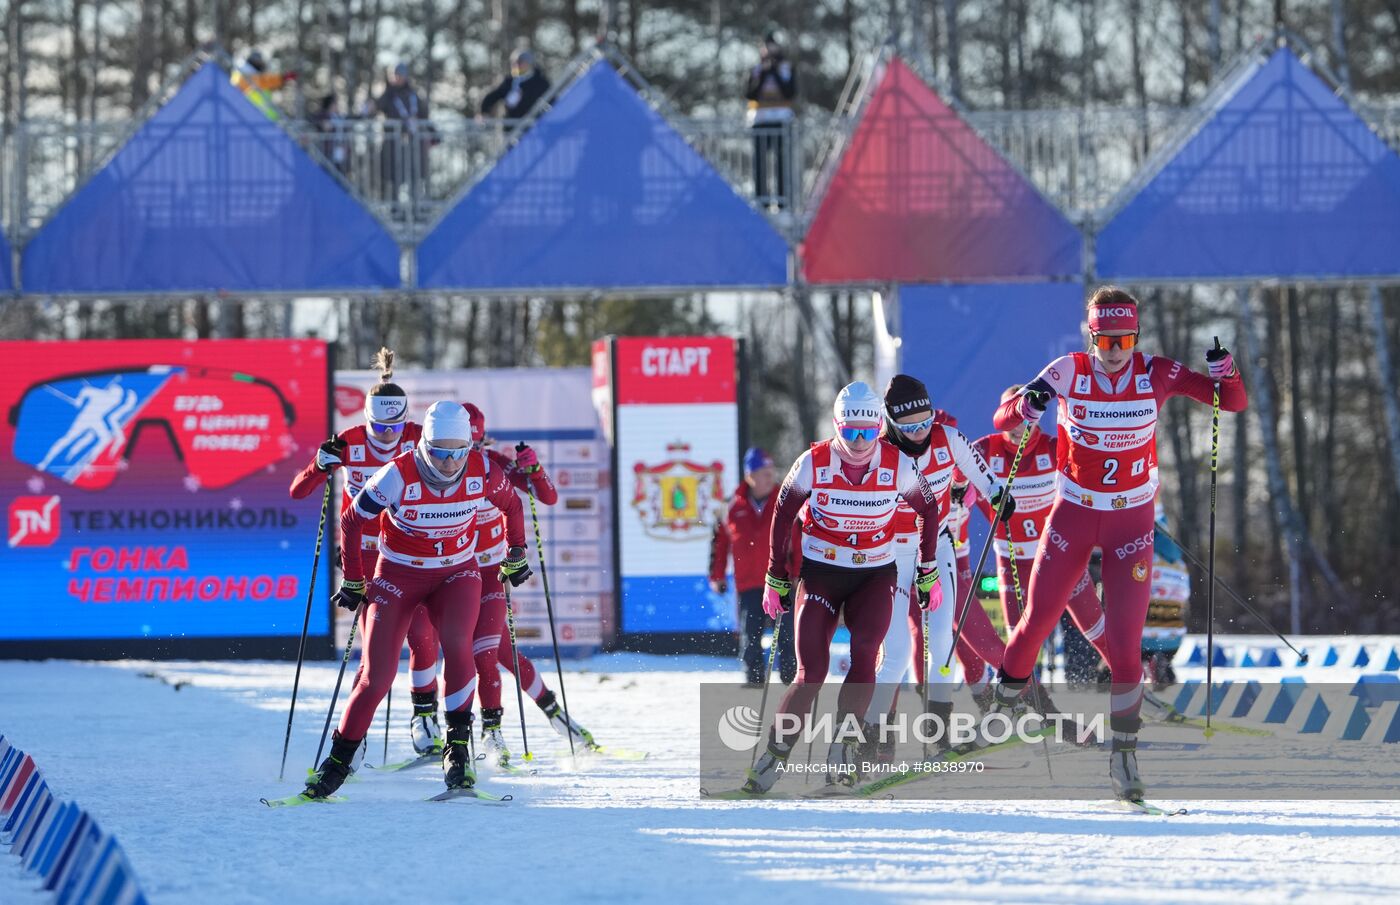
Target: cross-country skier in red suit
(1034,490)
(852,486)
(429,498)
(1106,463)
(938,449)
(360,451)
(491,644)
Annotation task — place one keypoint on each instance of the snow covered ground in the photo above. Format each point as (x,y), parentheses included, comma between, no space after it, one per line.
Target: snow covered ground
(175,765)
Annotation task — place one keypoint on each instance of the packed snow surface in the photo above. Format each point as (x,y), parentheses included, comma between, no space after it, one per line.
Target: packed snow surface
(174,758)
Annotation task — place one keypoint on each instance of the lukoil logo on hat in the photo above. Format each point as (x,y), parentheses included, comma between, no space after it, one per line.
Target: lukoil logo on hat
(739,728)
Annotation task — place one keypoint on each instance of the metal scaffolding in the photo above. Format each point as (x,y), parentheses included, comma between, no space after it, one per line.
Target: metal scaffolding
(1079,158)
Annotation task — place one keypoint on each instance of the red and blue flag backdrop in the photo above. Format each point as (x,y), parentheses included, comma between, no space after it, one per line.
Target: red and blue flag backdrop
(920,197)
(146,487)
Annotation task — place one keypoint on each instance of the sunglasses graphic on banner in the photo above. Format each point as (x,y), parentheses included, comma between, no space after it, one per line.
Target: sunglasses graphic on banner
(223,425)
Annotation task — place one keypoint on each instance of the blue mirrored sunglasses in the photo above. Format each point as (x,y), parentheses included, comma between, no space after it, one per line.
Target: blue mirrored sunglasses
(852,434)
(437,452)
(915,427)
(383,427)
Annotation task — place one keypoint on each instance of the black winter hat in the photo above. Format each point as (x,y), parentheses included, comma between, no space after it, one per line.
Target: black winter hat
(906,396)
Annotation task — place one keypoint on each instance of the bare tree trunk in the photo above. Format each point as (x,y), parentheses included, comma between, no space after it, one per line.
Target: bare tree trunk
(1239,478)
(1184,98)
(1214,26)
(1088,22)
(1386,377)
(950,25)
(145,63)
(1295,406)
(634,27)
(1263,405)
(1331,505)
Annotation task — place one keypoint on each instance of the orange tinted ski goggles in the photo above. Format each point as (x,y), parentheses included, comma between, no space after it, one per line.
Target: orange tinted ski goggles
(1125,342)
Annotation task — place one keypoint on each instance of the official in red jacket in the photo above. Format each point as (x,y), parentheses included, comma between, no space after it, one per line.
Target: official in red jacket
(744,532)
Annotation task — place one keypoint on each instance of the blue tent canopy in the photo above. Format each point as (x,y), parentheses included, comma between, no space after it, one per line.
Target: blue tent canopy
(601,193)
(1282,180)
(210,195)
(7,282)
(1004,334)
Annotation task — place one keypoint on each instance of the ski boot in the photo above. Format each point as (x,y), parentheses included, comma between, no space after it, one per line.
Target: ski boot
(768,769)
(562,724)
(492,742)
(423,725)
(457,769)
(335,768)
(938,747)
(983,697)
(1122,758)
(1160,709)
(1057,724)
(872,750)
(842,766)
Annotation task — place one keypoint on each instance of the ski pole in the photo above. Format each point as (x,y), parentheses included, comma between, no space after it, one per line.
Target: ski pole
(549,609)
(928,669)
(388,708)
(1303,657)
(1210,551)
(335,695)
(1036,688)
(946,668)
(515,650)
(767,674)
(306,623)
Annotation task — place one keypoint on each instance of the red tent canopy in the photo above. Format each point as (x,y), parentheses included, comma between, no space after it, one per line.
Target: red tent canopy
(920,197)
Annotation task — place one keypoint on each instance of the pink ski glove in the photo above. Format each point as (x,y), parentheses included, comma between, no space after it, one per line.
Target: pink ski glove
(775,596)
(525,459)
(1220,363)
(1033,404)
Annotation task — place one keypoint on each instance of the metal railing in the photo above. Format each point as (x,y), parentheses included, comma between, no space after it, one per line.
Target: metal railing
(408,175)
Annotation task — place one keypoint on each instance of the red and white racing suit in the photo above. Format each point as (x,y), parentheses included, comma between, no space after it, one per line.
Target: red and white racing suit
(426,557)
(1106,481)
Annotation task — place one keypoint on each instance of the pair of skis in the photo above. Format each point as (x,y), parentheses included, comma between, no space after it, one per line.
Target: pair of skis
(467,794)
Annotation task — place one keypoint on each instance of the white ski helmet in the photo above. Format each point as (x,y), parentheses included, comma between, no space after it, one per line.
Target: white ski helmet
(447,421)
(857,403)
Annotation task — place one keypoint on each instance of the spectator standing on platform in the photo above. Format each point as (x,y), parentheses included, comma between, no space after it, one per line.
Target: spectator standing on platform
(404,155)
(333,127)
(771,91)
(745,534)
(520,90)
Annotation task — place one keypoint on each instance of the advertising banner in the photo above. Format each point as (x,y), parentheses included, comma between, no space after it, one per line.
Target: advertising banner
(550,409)
(146,482)
(677,447)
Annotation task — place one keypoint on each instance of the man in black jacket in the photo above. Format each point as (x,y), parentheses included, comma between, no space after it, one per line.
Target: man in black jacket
(520,90)
(403,156)
(770,92)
